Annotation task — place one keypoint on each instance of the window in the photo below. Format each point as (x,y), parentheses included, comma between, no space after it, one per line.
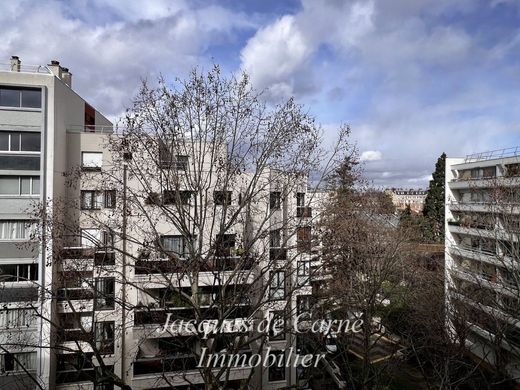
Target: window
(91,200)
(300,199)
(304,305)
(277,286)
(16,229)
(176,244)
(224,244)
(277,370)
(104,335)
(17,318)
(20,97)
(91,161)
(275,238)
(105,293)
(303,238)
(90,237)
(18,272)
(277,329)
(19,185)
(20,141)
(110,199)
(275,200)
(222,198)
(20,361)
(181,163)
(172,197)
(303,272)
(95,200)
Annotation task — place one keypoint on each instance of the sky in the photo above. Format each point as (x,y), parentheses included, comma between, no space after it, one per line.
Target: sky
(413,78)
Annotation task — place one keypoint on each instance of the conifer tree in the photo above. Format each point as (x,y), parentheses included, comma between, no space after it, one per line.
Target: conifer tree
(434,204)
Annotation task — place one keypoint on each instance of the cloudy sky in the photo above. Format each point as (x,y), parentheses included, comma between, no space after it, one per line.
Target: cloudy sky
(413,78)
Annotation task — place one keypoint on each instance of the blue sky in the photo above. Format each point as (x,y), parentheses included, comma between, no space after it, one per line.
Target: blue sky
(413,78)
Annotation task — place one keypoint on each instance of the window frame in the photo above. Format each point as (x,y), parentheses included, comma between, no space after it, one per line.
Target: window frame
(223,198)
(90,167)
(277,285)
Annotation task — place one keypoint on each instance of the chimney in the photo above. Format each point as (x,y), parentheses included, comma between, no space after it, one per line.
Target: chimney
(15,64)
(66,76)
(55,68)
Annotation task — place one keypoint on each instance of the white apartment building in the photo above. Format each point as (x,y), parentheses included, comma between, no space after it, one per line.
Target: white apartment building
(103,286)
(482,254)
(37,105)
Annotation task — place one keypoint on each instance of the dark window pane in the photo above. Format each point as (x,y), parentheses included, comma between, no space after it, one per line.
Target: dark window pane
(4,140)
(15,142)
(9,97)
(20,162)
(31,98)
(31,142)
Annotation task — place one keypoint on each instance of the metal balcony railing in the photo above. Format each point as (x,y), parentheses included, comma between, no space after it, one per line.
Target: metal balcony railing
(100,129)
(493,154)
(8,67)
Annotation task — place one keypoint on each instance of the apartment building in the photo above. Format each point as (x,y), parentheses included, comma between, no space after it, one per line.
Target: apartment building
(37,106)
(482,254)
(403,198)
(92,298)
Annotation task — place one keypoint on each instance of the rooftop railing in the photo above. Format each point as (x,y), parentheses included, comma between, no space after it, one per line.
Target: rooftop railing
(101,129)
(493,154)
(7,67)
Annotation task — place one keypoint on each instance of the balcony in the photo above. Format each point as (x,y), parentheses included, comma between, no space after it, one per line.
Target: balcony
(160,316)
(165,266)
(153,365)
(83,259)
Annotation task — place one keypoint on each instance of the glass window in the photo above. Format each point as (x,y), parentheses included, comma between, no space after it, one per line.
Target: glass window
(15,142)
(277,370)
(9,97)
(304,272)
(4,140)
(31,98)
(25,187)
(90,237)
(104,333)
(222,198)
(110,199)
(275,238)
(15,229)
(36,185)
(300,199)
(9,185)
(105,293)
(91,160)
(181,163)
(175,244)
(30,142)
(277,286)
(275,200)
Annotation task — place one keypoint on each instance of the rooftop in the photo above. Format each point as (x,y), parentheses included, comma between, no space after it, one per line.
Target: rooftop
(7,67)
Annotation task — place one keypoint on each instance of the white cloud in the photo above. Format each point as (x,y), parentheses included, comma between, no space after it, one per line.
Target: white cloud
(371,155)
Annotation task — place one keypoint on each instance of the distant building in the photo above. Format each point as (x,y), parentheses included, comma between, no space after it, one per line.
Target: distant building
(402,198)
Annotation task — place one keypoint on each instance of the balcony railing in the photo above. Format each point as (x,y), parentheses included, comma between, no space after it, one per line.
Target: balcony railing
(100,129)
(493,154)
(159,316)
(160,266)
(155,365)
(8,67)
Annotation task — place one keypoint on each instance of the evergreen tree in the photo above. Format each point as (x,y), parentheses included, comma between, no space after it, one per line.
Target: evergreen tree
(434,204)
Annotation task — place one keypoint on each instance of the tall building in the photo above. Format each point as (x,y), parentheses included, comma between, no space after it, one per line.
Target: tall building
(89,299)
(483,255)
(37,107)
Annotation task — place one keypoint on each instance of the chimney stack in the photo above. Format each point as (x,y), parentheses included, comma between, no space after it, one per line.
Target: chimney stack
(15,64)
(55,68)
(66,76)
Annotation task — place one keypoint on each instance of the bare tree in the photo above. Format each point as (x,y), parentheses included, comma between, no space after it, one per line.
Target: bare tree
(196,213)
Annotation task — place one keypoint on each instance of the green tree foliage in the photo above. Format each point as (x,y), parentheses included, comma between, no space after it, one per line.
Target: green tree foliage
(434,204)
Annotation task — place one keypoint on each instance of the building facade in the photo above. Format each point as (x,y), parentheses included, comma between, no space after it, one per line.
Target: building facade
(85,303)
(402,198)
(482,255)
